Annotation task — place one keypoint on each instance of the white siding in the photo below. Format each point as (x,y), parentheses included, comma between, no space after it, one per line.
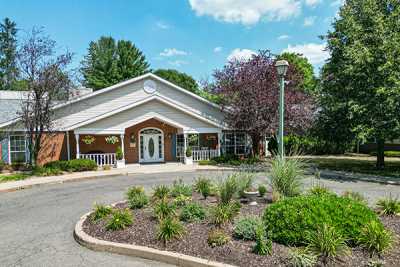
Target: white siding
(100,104)
(124,119)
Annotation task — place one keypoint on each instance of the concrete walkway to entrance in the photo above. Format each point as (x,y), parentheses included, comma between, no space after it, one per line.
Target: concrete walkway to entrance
(129,169)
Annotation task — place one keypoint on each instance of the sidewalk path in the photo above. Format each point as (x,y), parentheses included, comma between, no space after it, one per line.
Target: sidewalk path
(130,169)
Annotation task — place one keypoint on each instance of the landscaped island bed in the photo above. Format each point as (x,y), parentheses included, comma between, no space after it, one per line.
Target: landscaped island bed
(229,247)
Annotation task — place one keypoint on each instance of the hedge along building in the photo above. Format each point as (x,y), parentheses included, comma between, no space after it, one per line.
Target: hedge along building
(151,119)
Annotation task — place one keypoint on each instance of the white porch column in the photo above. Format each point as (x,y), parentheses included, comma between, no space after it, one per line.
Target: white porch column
(68,146)
(122,145)
(185,143)
(219,143)
(77,146)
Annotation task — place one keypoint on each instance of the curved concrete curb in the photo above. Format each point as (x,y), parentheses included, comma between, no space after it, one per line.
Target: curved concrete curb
(139,251)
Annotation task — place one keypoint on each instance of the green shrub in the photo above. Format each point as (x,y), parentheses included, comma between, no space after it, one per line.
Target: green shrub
(192,212)
(288,219)
(244,181)
(119,220)
(160,192)
(262,189)
(300,257)
(182,200)
(223,213)
(227,189)
(217,238)
(169,229)
(100,212)
(245,227)
(226,158)
(327,243)
(205,162)
(389,206)
(75,165)
(163,209)
(45,171)
(189,152)
(395,154)
(286,176)
(375,239)
(136,197)
(355,196)
(118,153)
(263,245)
(203,186)
(180,188)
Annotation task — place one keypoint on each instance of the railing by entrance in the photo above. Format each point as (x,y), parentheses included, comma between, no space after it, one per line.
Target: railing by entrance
(204,154)
(100,159)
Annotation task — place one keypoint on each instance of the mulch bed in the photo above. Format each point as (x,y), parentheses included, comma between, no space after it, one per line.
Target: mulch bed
(236,252)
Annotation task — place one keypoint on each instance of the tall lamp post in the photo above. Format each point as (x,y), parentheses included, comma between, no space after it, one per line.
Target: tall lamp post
(281,67)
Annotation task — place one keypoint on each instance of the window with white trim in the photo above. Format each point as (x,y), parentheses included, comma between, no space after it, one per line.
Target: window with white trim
(234,143)
(17,148)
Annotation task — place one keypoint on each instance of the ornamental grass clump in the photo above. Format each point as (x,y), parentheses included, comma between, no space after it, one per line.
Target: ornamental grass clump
(223,213)
(245,227)
(120,219)
(301,257)
(287,225)
(100,212)
(388,206)
(192,212)
(203,186)
(326,243)
(180,188)
(375,239)
(160,192)
(263,245)
(286,176)
(137,197)
(217,238)
(227,189)
(164,208)
(170,228)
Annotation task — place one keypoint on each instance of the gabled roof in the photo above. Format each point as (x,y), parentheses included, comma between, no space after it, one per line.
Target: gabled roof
(119,85)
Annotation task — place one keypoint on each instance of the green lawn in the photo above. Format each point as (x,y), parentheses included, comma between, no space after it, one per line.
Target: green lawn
(13,177)
(357,164)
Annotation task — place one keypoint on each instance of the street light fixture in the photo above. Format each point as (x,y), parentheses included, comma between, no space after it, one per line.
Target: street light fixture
(281,67)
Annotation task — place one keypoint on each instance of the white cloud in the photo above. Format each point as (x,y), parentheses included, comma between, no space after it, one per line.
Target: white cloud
(283,37)
(177,63)
(217,49)
(315,53)
(170,52)
(162,25)
(309,21)
(241,54)
(246,12)
(312,3)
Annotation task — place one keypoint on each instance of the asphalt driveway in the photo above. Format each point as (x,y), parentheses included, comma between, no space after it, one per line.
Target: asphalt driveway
(36,224)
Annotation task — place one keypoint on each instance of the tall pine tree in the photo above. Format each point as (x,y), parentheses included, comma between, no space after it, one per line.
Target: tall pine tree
(109,62)
(361,81)
(8,54)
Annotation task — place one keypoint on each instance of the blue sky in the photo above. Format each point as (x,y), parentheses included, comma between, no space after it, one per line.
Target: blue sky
(194,36)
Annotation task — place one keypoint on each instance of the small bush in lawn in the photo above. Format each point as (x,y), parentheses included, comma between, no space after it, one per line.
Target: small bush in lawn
(119,220)
(286,176)
(180,188)
(203,186)
(100,212)
(245,227)
(163,209)
(375,238)
(217,238)
(263,245)
(160,192)
(301,257)
(169,229)
(389,206)
(355,196)
(137,198)
(223,213)
(192,212)
(227,189)
(182,200)
(46,171)
(244,181)
(287,225)
(326,243)
(262,189)
(81,165)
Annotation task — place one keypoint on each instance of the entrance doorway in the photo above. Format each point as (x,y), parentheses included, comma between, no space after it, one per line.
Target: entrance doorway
(151,145)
